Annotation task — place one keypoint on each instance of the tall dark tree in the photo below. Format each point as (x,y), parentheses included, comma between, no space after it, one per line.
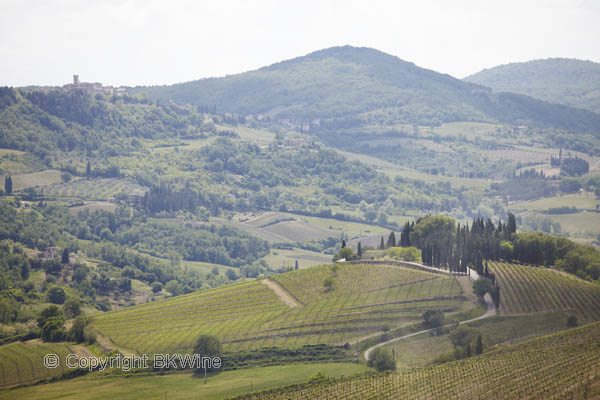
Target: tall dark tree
(391,242)
(8,184)
(479,346)
(381,244)
(65,256)
(511,226)
(343,243)
(405,236)
(297,266)
(359,250)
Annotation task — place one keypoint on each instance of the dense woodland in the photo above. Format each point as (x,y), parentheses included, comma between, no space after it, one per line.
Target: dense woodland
(120,241)
(557,80)
(343,82)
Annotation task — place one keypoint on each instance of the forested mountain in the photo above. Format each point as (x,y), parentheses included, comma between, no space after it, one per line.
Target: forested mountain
(349,82)
(571,82)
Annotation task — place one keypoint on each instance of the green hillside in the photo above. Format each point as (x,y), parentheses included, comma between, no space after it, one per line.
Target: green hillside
(22,362)
(292,310)
(348,82)
(560,366)
(571,82)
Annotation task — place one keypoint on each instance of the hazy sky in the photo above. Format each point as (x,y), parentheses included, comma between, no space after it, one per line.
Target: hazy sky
(131,42)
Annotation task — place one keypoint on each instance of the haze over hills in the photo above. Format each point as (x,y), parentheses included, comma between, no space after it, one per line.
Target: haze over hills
(571,82)
(359,83)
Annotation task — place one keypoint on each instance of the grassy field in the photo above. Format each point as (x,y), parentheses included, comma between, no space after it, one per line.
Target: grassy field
(560,366)
(93,189)
(250,315)
(16,162)
(278,258)
(581,201)
(526,289)
(259,136)
(394,170)
(583,224)
(43,178)
(286,227)
(419,351)
(95,206)
(181,385)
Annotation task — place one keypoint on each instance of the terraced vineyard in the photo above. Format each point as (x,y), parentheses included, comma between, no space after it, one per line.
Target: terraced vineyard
(93,189)
(560,366)
(526,289)
(250,315)
(420,350)
(23,362)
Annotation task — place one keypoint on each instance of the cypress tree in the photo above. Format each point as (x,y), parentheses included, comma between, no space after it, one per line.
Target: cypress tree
(359,250)
(343,243)
(381,245)
(512,225)
(391,240)
(479,346)
(8,184)
(297,266)
(405,236)
(65,256)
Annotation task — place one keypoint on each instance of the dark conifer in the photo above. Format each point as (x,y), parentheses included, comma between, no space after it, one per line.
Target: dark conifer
(8,184)
(479,346)
(65,256)
(391,240)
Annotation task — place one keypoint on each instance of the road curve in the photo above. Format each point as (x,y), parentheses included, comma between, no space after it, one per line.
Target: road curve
(490,311)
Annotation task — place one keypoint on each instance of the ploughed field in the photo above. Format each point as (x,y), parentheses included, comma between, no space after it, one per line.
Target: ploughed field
(561,366)
(292,310)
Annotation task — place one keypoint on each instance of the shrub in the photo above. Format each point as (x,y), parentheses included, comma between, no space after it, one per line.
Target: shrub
(404,253)
(433,318)
(231,275)
(482,286)
(77,331)
(208,346)
(56,295)
(384,361)
(72,308)
(345,253)
(53,330)
(328,283)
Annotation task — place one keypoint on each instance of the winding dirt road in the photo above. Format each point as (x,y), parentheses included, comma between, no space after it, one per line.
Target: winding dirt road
(490,311)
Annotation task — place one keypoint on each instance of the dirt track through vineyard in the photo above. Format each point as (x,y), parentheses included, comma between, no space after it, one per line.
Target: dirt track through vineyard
(280,292)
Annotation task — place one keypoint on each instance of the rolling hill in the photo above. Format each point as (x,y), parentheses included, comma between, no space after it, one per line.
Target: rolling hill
(348,82)
(571,82)
(560,366)
(286,311)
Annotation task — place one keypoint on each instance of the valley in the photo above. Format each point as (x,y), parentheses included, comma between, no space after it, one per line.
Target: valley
(343,224)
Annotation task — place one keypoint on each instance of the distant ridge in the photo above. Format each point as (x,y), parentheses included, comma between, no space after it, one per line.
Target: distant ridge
(365,84)
(565,81)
